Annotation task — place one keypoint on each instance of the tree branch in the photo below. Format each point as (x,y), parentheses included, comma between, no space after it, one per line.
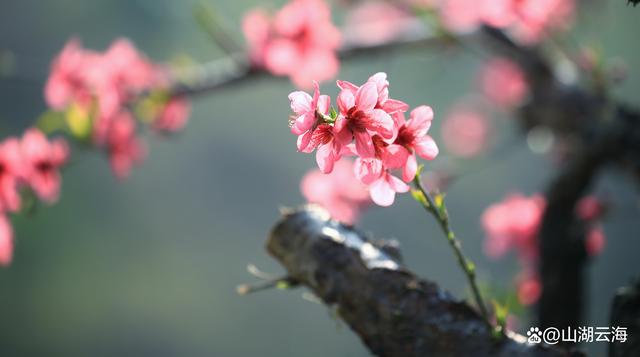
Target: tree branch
(394,312)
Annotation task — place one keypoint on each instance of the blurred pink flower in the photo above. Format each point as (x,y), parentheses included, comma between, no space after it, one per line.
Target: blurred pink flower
(503,82)
(339,192)
(300,41)
(377,22)
(6,240)
(42,162)
(67,82)
(173,115)
(513,224)
(465,132)
(528,20)
(595,241)
(529,288)
(538,17)
(11,171)
(123,146)
(590,208)
(79,75)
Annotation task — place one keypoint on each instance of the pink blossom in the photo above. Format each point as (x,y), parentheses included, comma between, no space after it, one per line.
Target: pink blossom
(42,161)
(300,41)
(359,116)
(528,20)
(390,106)
(513,224)
(537,17)
(412,135)
(595,241)
(465,132)
(383,190)
(6,241)
(124,148)
(173,115)
(339,192)
(11,171)
(376,22)
(67,82)
(313,130)
(529,288)
(590,208)
(503,82)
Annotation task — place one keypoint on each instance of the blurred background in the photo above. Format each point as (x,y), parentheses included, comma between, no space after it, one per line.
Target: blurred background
(149,266)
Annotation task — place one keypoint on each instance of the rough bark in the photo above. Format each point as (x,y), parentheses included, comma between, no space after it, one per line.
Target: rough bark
(394,312)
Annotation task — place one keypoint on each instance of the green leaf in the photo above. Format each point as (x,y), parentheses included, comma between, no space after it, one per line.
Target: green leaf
(333,113)
(283,285)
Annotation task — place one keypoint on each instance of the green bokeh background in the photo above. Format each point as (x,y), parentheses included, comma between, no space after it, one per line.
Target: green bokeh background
(149,266)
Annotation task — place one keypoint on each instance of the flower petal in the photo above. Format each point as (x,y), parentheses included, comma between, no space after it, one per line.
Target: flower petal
(381,192)
(367,97)
(364,145)
(420,120)
(426,147)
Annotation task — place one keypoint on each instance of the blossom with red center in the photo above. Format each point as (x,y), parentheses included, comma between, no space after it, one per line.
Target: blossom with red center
(314,131)
(6,240)
(364,127)
(123,146)
(513,223)
(465,132)
(390,106)
(300,41)
(412,135)
(359,116)
(173,115)
(42,160)
(11,171)
(503,82)
(339,192)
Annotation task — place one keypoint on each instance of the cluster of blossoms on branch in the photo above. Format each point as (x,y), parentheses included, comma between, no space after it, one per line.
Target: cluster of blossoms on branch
(100,94)
(299,41)
(27,164)
(369,125)
(94,98)
(514,224)
(529,21)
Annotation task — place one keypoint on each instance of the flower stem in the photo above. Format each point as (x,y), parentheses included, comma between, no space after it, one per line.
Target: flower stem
(439,211)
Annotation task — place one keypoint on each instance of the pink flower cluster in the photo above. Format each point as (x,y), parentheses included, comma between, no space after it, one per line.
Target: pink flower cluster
(33,162)
(299,41)
(102,86)
(369,125)
(514,224)
(340,192)
(466,131)
(528,20)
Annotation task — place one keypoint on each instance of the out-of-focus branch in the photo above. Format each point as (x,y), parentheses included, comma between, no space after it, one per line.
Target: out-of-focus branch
(393,311)
(231,71)
(601,132)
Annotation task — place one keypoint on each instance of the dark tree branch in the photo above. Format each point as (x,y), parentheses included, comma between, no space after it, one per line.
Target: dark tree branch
(394,312)
(599,132)
(625,312)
